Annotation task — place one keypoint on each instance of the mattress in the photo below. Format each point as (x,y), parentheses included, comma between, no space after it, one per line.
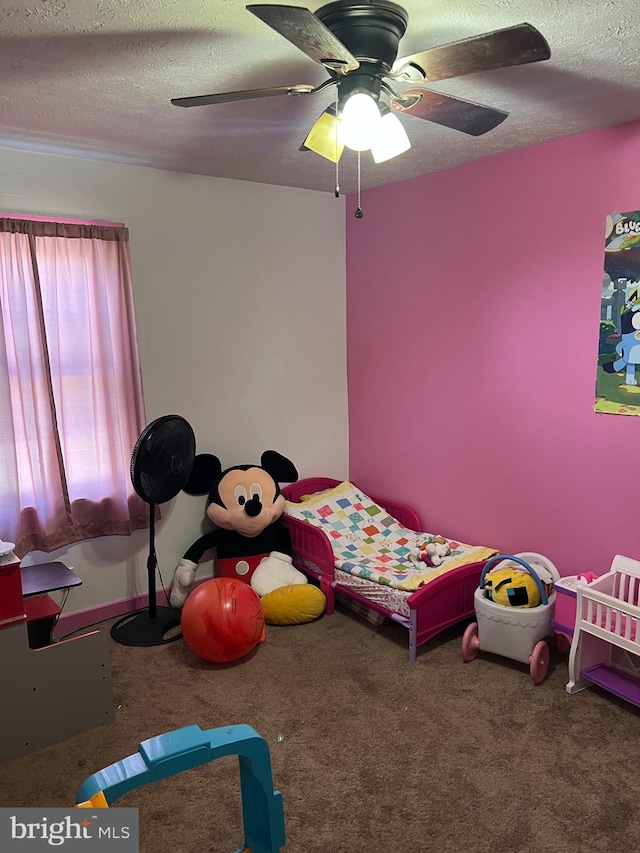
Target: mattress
(394,600)
(370,544)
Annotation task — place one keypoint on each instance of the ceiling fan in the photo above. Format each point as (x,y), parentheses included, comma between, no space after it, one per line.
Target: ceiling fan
(357,43)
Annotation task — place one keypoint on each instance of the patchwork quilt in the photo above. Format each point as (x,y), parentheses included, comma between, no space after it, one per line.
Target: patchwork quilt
(371,544)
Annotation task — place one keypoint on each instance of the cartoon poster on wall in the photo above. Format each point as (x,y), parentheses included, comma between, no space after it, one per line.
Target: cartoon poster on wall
(618,371)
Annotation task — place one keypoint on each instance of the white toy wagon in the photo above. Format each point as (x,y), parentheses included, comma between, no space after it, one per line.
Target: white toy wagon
(514,632)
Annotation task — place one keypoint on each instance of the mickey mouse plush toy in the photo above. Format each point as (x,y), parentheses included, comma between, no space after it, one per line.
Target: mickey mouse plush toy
(245,504)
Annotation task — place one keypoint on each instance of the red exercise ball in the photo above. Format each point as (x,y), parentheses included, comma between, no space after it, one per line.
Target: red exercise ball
(222,620)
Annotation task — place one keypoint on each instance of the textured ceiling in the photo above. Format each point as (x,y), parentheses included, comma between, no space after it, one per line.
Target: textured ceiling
(95,78)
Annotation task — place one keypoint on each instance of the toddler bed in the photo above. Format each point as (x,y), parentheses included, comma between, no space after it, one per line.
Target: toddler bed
(358,548)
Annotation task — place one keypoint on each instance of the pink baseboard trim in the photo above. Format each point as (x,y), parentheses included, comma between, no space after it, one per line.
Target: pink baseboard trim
(70,622)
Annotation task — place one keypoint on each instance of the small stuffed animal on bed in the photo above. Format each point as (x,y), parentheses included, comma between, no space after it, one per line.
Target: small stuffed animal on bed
(431,551)
(245,504)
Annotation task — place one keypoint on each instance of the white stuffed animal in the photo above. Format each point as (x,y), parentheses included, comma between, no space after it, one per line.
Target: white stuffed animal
(430,552)
(437,551)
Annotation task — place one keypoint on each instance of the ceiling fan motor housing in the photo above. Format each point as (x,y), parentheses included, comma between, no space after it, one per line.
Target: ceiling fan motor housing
(370,31)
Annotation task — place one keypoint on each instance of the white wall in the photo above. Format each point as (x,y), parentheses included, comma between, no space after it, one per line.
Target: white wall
(239,291)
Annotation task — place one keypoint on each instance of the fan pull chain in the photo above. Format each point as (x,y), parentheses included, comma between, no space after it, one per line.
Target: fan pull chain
(359,213)
(337,189)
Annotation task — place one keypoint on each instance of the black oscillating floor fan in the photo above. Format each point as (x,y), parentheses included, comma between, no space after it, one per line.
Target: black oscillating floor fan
(161,463)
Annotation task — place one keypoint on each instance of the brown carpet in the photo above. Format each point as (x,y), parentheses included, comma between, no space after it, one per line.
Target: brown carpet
(370,752)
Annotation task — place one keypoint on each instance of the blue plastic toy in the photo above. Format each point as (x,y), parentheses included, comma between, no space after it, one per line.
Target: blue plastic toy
(172,753)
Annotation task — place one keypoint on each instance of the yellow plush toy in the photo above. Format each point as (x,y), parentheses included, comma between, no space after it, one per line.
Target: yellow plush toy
(512,588)
(293,605)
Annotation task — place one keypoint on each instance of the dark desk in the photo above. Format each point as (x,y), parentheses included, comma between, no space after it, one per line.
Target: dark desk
(47,577)
(42,611)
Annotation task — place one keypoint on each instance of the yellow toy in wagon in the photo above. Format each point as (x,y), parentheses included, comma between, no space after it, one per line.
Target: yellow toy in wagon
(514,604)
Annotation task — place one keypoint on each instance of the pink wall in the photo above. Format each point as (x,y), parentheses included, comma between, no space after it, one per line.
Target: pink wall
(473,306)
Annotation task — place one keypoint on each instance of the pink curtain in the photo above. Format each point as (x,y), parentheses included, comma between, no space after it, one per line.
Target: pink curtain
(71,404)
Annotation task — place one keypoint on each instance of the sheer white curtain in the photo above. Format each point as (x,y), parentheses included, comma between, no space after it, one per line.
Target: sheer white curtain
(71,405)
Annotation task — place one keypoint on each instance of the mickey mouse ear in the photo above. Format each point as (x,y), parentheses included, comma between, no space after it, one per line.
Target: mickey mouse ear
(281,469)
(206,470)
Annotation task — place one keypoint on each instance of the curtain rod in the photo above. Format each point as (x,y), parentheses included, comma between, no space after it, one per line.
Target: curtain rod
(61,219)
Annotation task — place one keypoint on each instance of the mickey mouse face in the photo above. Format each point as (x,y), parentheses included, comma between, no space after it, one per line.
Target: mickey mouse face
(248,500)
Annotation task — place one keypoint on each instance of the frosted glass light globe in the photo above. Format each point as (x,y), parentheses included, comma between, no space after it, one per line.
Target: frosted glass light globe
(360,122)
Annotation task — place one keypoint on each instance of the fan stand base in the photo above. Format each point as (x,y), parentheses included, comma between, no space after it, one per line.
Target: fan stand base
(141,629)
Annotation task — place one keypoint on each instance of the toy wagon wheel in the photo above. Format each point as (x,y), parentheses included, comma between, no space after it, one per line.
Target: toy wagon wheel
(539,662)
(563,644)
(470,643)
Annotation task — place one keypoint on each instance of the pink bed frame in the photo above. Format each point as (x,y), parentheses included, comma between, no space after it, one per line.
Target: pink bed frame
(443,602)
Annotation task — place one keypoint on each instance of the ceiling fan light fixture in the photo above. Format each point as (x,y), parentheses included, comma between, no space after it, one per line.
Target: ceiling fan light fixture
(391,139)
(359,121)
(324,138)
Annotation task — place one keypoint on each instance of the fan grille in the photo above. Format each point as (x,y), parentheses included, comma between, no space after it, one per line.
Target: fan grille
(163,458)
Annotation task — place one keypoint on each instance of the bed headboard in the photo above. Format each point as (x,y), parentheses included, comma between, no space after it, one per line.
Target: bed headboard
(402,512)
(295,491)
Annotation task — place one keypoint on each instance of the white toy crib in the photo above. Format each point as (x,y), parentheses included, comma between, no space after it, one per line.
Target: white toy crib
(605,650)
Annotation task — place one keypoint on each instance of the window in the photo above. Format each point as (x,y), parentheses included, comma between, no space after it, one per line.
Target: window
(71,405)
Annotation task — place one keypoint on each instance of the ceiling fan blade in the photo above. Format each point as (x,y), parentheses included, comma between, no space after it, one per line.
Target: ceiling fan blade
(242,95)
(301,27)
(516,45)
(447,111)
